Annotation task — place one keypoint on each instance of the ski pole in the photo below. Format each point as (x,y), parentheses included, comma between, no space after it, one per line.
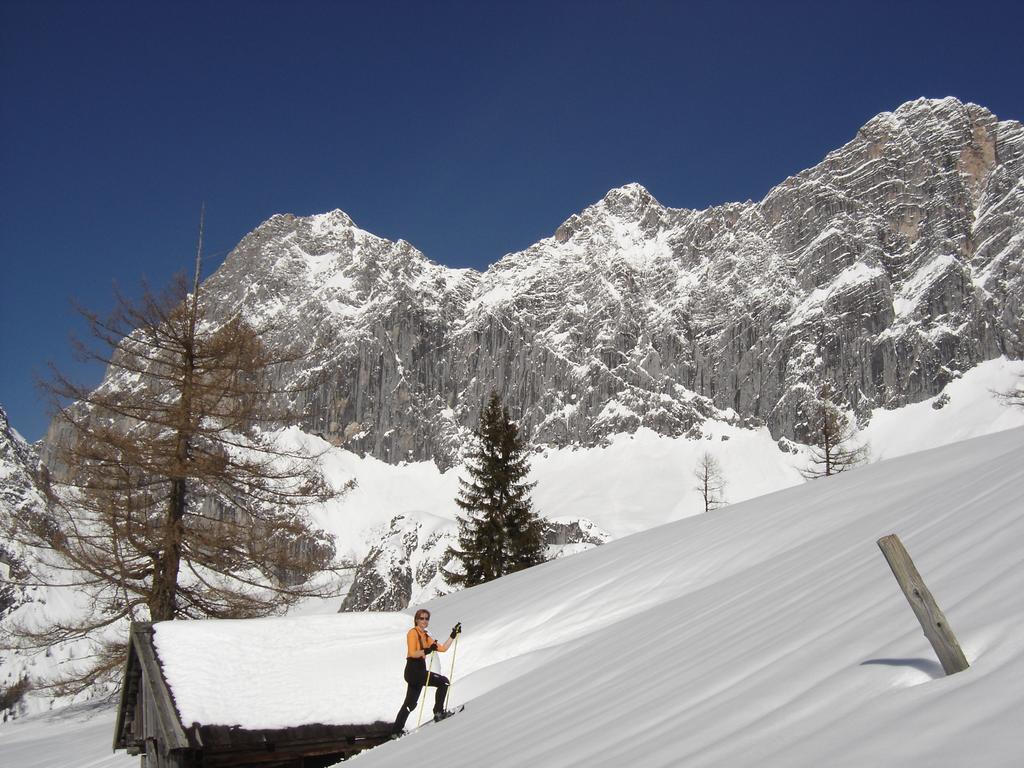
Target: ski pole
(426,687)
(451,674)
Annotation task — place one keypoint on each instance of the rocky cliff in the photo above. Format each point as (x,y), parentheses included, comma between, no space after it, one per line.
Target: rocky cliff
(20,499)
(889,268)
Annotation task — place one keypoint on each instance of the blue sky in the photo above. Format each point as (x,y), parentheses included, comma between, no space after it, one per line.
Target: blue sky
(469,129)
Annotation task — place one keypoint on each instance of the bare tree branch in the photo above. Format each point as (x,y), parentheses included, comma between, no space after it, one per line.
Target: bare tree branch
(168,496)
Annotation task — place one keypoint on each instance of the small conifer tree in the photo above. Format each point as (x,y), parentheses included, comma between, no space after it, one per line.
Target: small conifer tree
(500,533)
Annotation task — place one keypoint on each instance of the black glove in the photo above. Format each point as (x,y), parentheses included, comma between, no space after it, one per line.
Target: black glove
(457,629)
(430,649)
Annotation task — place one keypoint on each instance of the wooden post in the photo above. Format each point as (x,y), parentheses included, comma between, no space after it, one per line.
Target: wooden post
(934,623)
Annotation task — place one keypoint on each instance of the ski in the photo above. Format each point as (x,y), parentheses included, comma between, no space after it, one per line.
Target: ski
(448,713)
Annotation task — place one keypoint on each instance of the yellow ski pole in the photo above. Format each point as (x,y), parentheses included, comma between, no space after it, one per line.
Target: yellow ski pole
(426,687)
(451,674)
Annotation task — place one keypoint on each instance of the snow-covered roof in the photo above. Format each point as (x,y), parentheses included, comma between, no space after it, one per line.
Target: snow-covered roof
(337,669)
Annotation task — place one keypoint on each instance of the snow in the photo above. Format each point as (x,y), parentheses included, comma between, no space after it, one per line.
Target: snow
(853,275)
(637,248)
(493,297)
(967,410)
(914,289)
(382,491)
(332,221)
(646,479)
(768,633)
(829,232)
(346,669)
(340,282)
(75,736)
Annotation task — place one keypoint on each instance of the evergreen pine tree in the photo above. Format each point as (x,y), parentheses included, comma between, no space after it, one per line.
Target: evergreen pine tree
(499,533)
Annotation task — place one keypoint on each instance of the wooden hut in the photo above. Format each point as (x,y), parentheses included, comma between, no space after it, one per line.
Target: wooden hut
(148,724)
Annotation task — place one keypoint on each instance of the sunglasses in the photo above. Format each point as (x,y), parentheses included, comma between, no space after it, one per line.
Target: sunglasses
(422,618)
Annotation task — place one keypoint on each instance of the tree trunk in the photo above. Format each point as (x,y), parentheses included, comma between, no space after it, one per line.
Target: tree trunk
(165,588)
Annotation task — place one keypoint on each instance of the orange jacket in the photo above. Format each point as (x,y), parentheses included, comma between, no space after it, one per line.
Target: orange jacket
(417,639)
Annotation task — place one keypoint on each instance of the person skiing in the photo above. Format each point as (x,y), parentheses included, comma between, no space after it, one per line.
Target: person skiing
(419,644)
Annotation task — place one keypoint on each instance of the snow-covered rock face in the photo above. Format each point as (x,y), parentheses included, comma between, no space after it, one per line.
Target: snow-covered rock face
(374,320)
(889,267)
(403,568)
(406,564)
(17,459)
(19,498)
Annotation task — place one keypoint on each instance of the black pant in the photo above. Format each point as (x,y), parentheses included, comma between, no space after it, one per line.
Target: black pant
(416,677)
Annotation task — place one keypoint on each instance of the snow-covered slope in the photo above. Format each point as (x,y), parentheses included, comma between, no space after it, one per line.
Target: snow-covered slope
(768,633)
(771,633)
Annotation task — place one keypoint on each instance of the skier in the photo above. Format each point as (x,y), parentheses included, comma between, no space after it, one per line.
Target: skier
(419,644)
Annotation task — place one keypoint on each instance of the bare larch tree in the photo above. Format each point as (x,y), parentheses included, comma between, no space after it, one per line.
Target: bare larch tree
(710,481)
(170,496)
(833,449)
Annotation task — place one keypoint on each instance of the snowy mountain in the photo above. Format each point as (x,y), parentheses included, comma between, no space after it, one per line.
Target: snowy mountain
(770,633)
(890,268)
(632,341)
